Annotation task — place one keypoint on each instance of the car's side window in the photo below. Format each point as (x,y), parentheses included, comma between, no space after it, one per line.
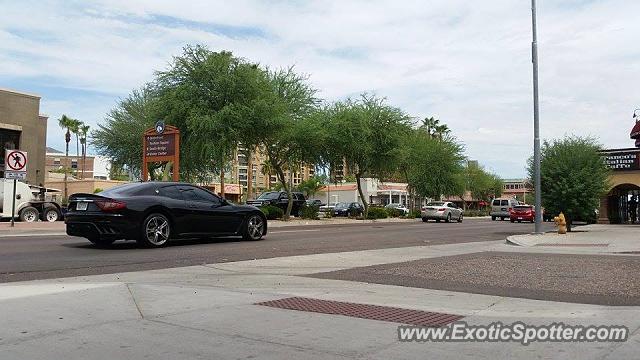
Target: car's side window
(197,194)
(171,192)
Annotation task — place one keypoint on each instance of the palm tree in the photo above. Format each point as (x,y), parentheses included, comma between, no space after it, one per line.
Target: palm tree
(66,122)
(75,129)
(433,128)
(84,129)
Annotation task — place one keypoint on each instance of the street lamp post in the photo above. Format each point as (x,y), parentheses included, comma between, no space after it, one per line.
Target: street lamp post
(536,122)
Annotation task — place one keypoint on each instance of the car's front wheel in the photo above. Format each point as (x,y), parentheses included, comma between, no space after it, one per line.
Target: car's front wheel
(156,231)
(254,228)
(460,218)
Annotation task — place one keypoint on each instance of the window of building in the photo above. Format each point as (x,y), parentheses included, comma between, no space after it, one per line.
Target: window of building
(56,161)
(74,164)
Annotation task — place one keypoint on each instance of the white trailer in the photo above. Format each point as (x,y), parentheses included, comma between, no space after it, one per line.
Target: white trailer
(32,202)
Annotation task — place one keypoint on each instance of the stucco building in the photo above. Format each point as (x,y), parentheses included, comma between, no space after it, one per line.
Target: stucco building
(22,127)
(622,202)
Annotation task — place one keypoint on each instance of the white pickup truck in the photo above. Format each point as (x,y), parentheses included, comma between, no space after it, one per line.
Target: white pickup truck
(32,202)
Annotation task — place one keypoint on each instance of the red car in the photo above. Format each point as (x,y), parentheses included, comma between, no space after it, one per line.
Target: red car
(521,213)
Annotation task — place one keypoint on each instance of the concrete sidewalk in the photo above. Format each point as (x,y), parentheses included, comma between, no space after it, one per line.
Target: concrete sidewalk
(596,239)
(208,312)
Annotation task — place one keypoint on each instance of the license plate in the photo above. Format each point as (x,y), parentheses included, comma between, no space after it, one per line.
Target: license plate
(519,217)
(82,206)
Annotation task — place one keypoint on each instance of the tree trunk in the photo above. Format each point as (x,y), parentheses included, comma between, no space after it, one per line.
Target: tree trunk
(569,221)
(66,161)
(222,183)
(283,181)
(84,158)
(249,174)
(165,171)
(77,154)
(361,194)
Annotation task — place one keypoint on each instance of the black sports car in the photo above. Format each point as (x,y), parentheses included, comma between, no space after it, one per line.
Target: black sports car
(152,213)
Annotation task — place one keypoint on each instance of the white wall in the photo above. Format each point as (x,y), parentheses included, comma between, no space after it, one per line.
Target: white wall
(101,167)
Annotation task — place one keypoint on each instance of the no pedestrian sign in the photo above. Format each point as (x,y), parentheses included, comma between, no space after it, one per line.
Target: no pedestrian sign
(15,164)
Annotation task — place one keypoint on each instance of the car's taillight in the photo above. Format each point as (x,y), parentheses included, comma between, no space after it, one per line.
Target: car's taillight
(110,204)
(423,208)
(442,209)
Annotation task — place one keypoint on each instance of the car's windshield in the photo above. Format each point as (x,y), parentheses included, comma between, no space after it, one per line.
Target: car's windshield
(271,195)
(342,205)
(435,204)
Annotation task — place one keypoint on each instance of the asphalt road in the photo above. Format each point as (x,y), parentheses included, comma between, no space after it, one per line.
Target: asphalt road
(43,257)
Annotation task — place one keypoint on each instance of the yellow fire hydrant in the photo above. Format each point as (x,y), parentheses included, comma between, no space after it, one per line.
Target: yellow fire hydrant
(561,223)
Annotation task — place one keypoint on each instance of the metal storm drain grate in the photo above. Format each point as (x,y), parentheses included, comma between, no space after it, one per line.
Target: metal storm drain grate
(573,244)
(363,311)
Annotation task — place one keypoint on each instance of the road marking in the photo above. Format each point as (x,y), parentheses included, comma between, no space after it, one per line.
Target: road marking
(290,231)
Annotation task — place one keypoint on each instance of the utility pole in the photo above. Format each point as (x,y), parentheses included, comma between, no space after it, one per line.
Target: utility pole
(536,122)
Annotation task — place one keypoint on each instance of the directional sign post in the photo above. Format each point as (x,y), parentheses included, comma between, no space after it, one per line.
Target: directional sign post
(15,166)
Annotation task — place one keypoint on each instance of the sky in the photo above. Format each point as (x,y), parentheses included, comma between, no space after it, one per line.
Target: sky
(467,63)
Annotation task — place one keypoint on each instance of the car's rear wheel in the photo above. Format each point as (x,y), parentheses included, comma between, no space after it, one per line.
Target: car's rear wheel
(424,219)
(29,214)
(448,218)
(493,218)
(156,231)
(254,228)
(513,221)
(51,215)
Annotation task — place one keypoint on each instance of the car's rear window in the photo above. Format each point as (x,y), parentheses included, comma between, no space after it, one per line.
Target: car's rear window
(523,207)
(496,202)
(504,203)
(435,204)
(128,190)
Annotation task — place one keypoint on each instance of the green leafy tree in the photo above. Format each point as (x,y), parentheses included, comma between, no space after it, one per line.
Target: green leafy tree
(119,137)
(432,167)
(292,105)
(217,100)
(312,186)
(367,134)
(482,185)
(573,177)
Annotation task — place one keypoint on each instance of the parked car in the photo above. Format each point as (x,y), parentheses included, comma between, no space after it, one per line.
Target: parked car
(441,210)
(398,207)
(329,207)
(348,209)
(154,213)
(314,202)
(281,200)
(521,213)
(501,208)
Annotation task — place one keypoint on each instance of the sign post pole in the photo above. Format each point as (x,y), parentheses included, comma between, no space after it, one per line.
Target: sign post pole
(13,202)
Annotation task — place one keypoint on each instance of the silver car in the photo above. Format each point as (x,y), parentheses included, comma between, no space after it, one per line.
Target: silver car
(441,210)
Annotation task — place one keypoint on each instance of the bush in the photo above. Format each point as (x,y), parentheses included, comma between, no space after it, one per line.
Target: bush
(272,212)
(97,190)
(414,214)
(309,212)
(475,213)
(394,212)
(377,213)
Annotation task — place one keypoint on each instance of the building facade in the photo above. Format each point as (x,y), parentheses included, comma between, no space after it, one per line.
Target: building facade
(56,161)
(519,189)
(262,177)
(621,204)
(22,127)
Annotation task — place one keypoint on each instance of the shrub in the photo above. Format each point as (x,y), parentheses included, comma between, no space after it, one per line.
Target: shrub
(309,212)
(394,212)
(475,213)
(97,190)
(414,214)
(377,213)
(272,212)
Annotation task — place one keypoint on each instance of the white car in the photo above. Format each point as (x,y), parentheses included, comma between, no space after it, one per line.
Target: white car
(441,210)
(398,207)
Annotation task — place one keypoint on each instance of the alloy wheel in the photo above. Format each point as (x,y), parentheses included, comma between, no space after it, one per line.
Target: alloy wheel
(255,227)
(157,230)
